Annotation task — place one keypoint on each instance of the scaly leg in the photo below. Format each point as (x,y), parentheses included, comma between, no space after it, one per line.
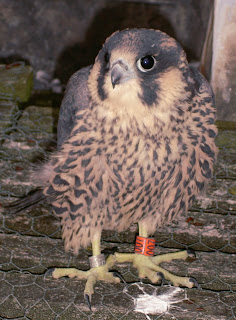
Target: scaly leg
(149,266)
(94,274)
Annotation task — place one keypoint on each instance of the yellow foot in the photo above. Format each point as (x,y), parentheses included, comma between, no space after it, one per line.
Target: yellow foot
(92,276)
(149,266)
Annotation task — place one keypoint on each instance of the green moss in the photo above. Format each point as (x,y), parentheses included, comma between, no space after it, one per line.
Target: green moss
(226,125)
(226,139)
(16,82)
(232,190)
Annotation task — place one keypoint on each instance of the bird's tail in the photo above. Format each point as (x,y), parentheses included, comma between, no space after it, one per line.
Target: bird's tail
(33,198)
(39,178)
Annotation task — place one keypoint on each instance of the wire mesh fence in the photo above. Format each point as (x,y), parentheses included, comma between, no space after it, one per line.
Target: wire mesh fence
(30,242)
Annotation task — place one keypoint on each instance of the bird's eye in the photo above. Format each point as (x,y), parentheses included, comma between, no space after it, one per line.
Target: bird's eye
(146,63)
(106,57)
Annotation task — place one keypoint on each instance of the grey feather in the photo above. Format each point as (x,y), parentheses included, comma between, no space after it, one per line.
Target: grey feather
(76,98)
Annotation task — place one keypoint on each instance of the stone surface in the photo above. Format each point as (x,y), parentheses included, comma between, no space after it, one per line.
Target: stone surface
(30,242)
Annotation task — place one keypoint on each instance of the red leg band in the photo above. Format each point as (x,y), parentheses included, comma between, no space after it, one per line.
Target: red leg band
(145,246)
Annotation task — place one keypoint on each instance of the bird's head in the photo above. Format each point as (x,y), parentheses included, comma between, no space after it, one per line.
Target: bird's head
(139,75)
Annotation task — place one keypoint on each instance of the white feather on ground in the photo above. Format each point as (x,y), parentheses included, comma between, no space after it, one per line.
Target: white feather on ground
(153,304)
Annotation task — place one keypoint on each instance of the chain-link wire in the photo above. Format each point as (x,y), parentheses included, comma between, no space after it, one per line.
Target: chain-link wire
(30,242)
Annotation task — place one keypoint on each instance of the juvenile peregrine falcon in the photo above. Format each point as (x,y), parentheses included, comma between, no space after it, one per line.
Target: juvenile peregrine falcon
(136,144)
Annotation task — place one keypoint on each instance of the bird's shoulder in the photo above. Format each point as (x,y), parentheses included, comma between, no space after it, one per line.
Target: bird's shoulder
(76,98)
(200,85)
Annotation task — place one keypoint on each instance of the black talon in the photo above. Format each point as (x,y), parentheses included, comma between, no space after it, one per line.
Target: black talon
(161,276)
(191,253)
(118,275)
(49,272)
(194,281)
(87,300)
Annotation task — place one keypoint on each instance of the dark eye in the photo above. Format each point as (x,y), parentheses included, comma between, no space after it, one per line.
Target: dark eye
(106,57)
(146,63)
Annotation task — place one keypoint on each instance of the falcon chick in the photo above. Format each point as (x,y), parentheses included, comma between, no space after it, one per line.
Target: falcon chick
(135,145)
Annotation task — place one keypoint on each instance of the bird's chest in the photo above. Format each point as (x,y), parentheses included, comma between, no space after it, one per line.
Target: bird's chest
(134,162)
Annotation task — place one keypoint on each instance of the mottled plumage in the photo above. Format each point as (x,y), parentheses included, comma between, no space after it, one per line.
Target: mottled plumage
(135,145)
(138,149)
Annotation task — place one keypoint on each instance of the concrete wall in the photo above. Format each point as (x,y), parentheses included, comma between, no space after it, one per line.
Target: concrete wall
(62,36)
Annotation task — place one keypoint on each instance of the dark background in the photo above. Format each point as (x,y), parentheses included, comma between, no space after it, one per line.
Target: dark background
(60,36)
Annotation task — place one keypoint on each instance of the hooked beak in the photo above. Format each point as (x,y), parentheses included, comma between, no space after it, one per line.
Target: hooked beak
(120,73)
